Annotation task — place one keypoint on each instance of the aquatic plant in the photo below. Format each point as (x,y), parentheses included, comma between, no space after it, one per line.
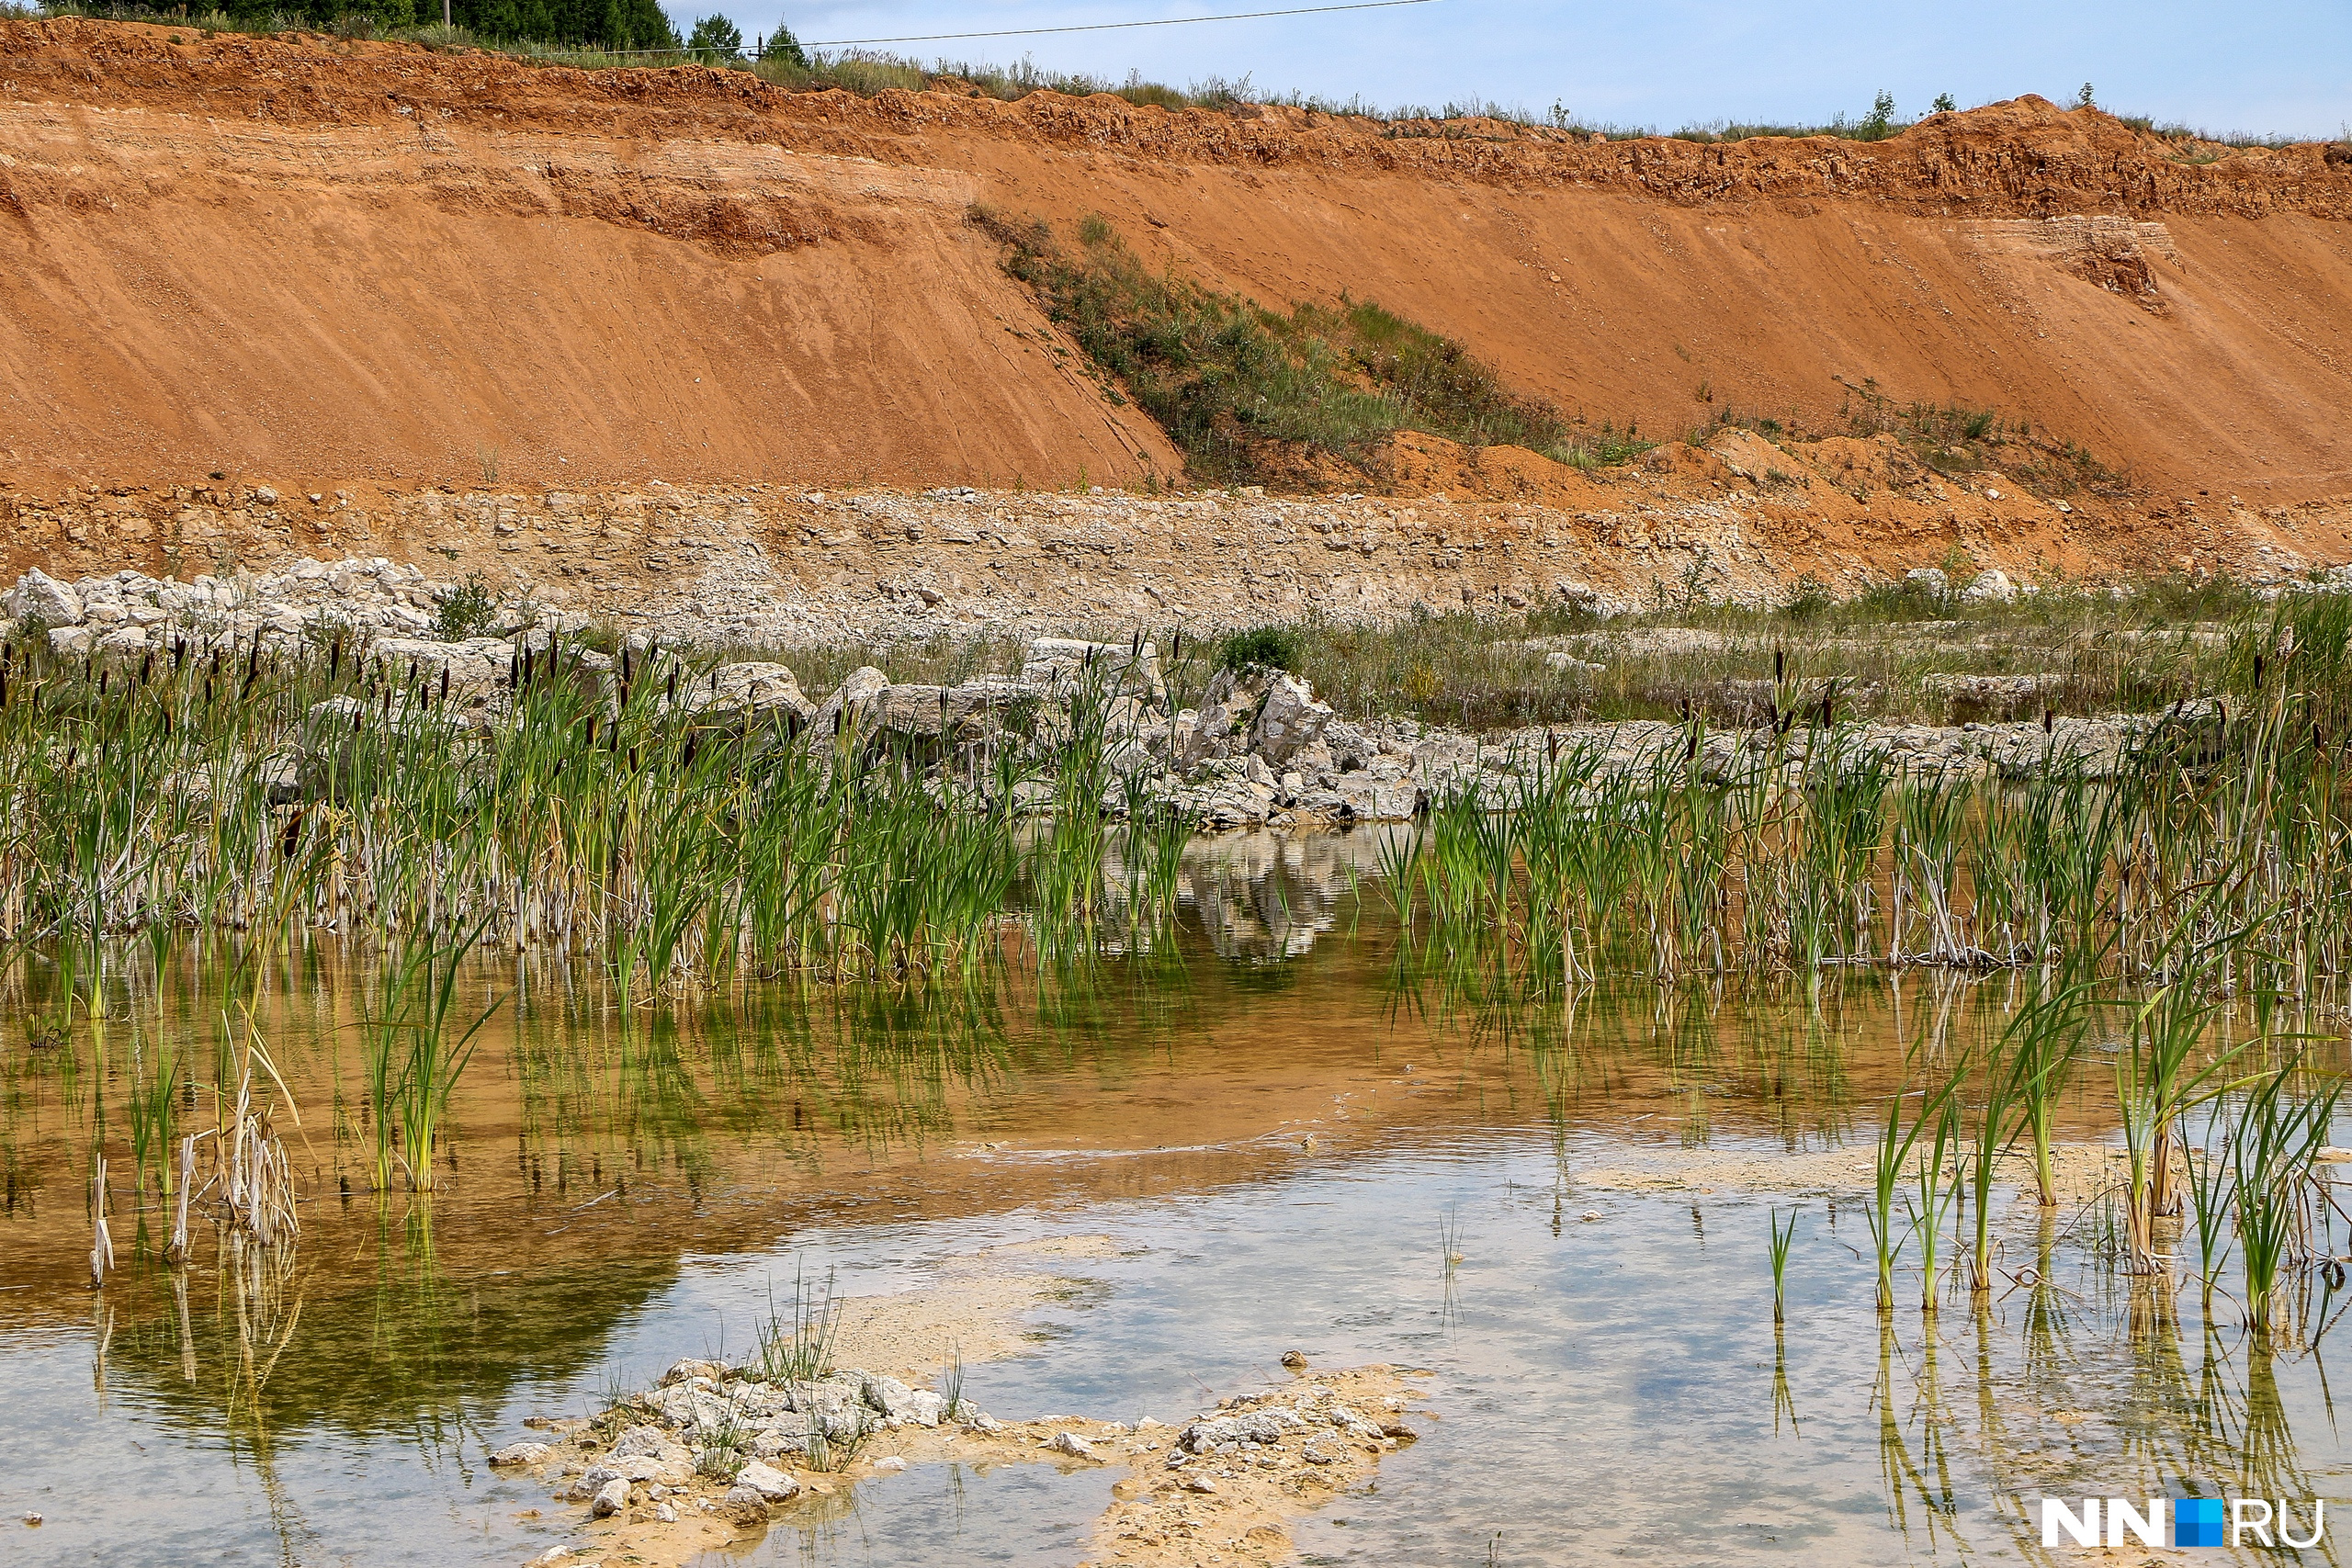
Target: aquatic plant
(2272,1146)
(796,1345)
(1937,1186)
(1783,1236)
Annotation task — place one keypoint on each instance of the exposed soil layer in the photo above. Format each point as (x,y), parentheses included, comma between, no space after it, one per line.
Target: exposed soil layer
(1499,530)
(322,262)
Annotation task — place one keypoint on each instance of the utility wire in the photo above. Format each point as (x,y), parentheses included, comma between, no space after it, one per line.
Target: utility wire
(1114,26)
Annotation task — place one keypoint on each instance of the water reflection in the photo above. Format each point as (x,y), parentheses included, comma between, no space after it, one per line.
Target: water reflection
(1297,1142)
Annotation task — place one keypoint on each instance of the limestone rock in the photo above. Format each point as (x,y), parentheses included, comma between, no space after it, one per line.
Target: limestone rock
(525,1453)
(40,597)
(750,692)
(770,1484)
(1991,587)
(652,1442)
(1289,720)
(476,666)
(898,1401)
(1065,662)
(851,703)
(611,1498)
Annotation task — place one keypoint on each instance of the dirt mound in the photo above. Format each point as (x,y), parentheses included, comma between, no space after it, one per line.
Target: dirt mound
(316,262)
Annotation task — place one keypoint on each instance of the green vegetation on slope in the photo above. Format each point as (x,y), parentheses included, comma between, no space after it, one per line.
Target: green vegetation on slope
(1250,395)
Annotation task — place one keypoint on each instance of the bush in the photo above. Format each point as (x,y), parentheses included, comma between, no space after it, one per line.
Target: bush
(467,610)
(1271,648)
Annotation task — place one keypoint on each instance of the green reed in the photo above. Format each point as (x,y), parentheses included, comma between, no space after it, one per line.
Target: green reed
(2273,1144)
(570,808)
(1783,1237)
(1934,1190)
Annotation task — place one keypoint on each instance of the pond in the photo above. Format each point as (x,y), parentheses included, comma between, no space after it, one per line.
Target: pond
(1262,1138)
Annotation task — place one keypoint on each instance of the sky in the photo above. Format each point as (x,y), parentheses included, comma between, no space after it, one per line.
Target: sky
(2271,66)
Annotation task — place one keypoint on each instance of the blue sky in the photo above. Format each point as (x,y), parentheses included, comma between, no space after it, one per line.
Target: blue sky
(2277,66)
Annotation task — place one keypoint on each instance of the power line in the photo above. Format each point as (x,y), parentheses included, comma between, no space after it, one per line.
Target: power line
(1114,26)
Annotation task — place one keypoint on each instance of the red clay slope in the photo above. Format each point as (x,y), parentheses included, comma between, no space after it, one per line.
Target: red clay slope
(314,258)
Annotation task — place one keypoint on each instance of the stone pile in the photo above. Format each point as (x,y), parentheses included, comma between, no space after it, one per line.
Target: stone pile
(129,613)
(1259,747)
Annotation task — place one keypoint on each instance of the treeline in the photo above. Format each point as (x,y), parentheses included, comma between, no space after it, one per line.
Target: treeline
(601,24)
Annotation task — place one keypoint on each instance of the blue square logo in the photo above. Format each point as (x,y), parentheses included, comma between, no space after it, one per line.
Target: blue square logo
(2197,1521)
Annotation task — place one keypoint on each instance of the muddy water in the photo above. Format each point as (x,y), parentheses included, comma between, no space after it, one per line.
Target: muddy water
(1268,1143)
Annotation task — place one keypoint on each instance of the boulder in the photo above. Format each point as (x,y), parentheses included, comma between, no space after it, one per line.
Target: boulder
(1058,662)
(1073,1445)
(747,692)
(525,1453)
(1369,799)
(476,666)
(70,641)
(1584,599)
(898,1401)
(40,597)
(1289,720)
(745,1506)
(1225,718)
(1991,586)
(771,1483)
(652,1442)
(851,704)
(1927,579)
(611,1498)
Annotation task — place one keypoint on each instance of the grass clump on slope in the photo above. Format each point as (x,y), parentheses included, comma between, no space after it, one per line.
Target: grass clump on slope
(1252,395)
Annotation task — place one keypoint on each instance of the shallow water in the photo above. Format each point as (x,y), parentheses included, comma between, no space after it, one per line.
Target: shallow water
(1277,1140)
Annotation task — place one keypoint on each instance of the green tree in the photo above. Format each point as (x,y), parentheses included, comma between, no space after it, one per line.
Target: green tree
(1881,118)
(717,40)
(2083,99)
(782,45)
(1944,104)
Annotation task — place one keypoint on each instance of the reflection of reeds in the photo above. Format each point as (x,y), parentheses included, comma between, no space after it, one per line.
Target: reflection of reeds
(1785,1400)
(1924,1480)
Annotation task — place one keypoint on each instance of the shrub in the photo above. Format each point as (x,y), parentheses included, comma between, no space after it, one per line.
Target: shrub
(467,610)
(1273,648)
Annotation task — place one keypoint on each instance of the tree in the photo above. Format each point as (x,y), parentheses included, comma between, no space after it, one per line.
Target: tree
(1944,104)
(717,40)
(782,45)
(1881,118)
(2083,99)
